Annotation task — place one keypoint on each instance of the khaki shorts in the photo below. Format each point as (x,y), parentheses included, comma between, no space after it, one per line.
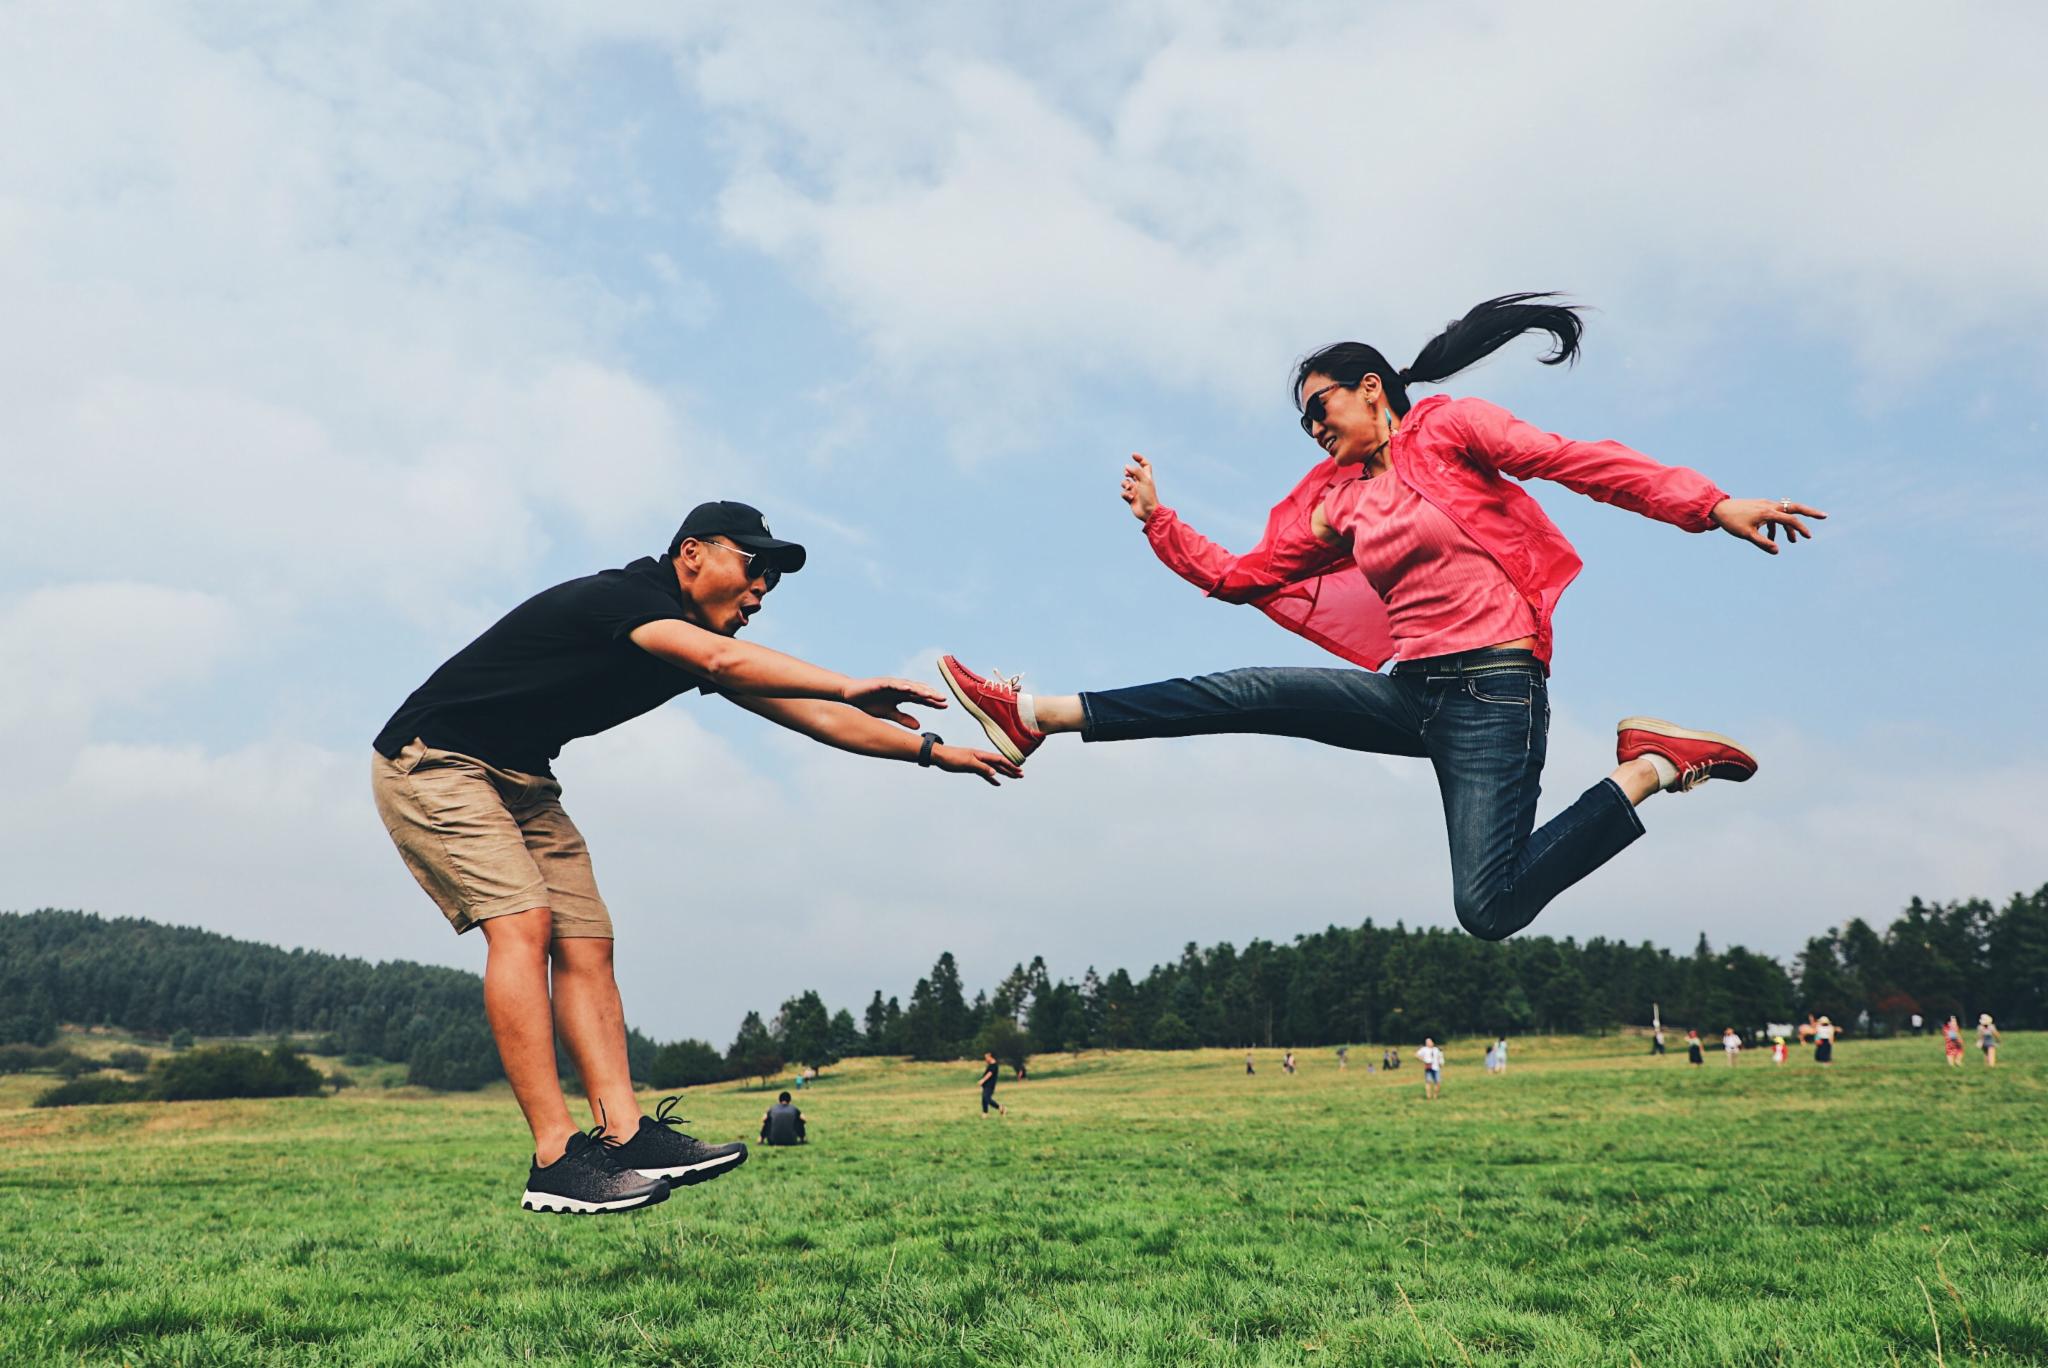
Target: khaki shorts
(485,842)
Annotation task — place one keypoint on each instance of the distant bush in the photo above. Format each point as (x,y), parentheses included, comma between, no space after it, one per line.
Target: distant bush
(233,1071)
(22,1058)
(1170,1032)
(181,1039)
(28,1028)
(92,1092)
(685,1064)
(134,1061)
(73,1065)
(330,1044)
(339,1080)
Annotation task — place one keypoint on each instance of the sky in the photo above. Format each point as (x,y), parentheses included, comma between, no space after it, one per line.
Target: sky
(332,332)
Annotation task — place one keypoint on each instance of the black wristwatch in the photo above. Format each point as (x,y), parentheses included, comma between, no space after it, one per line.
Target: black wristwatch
(924,752)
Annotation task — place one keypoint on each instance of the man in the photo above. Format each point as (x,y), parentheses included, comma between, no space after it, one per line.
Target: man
(990,1072)
(782,1124)
(463,782)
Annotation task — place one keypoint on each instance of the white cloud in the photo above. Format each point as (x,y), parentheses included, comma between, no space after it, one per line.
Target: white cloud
(1231,195)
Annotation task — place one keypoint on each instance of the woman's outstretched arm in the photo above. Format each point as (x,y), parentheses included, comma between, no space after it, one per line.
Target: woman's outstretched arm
(1618,475)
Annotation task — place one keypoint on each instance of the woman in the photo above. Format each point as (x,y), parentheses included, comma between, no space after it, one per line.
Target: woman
(1406,541)
(1952,1042)
(1987,1039)
(1824,1042)
(1693,1054)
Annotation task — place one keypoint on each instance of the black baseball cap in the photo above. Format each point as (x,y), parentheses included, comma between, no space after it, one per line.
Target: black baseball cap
(746,527)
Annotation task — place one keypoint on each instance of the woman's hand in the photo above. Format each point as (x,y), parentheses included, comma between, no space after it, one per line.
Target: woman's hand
(1757,520)
(987,764)
(1139,491)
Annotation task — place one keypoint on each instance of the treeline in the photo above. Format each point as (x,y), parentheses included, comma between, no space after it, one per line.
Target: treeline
(1393,984)
(155,981)
(1340,985)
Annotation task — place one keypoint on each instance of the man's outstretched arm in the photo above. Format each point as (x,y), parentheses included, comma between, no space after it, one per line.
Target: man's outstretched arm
(742,668)
(850,729)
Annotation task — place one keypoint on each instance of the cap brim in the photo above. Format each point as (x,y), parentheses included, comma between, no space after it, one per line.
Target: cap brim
(789,555)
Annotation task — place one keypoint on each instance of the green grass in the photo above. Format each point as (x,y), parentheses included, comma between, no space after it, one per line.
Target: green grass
(1592,1207)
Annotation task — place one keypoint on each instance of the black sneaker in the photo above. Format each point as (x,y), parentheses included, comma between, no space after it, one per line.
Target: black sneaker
(588,1180)
(659,1150)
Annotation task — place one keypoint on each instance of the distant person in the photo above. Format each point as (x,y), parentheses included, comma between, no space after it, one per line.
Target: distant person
(1432,1068)
(1809,1030)
(1021,1072)
(1987,1039)
(1390,1059)
(1500,1055)
(464,785)
(1777,1049)
(782,1124)
(990,1072)
(1489,1063)
(1657,1041)
(1287,1063)
(1824,1041)
(1249,1071)
(1731,1044)
(1917,1023)
(1343,1058)
(1692,1048)
(1952,1042)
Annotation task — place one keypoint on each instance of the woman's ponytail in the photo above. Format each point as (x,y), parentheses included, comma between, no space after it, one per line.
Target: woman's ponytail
(1484,329)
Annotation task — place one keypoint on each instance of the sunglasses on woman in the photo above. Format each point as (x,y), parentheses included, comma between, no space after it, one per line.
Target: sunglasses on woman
(1314,411)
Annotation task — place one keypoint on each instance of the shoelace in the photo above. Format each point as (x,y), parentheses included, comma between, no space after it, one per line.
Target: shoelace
(1014,683)
(1693,775)
(665,1114)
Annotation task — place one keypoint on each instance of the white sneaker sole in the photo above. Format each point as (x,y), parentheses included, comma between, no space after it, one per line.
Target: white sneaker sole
(686,1174)
(552,1201)
(996,734)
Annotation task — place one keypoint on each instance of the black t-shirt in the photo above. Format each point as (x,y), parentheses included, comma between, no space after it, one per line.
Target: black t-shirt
(557,667)
(989,1074)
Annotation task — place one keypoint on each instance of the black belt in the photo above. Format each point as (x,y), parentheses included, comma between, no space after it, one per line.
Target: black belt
(1470,663)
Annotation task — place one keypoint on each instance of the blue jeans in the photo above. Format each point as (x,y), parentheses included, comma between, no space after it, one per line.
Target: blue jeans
(1483,721)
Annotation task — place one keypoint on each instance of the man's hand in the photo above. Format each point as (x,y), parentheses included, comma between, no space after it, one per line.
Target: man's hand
(987,764)
(1757,521)
(1139,491)
(885,698)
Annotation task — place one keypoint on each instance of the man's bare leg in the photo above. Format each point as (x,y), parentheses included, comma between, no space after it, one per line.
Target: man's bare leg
(516,1000)
(592,1024)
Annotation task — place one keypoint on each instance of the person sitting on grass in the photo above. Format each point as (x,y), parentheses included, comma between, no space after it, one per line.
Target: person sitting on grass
(782,1124)
(462,780)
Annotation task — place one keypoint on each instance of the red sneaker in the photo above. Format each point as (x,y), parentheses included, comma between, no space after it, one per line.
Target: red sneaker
(1697,755)
(993,703)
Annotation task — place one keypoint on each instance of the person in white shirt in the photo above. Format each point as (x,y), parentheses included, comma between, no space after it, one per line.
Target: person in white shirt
(1732,1043)
(1432,1068)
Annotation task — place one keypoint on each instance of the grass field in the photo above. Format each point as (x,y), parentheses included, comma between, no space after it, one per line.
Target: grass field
(1594,1206)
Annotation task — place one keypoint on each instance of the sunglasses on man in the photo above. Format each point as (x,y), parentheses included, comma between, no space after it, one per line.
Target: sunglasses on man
(770,576)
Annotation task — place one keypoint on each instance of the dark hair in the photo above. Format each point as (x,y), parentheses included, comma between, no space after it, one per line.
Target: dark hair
(1484,329)
(783,1098)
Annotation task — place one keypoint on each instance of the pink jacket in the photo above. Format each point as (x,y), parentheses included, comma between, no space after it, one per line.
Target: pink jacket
(1453,452)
